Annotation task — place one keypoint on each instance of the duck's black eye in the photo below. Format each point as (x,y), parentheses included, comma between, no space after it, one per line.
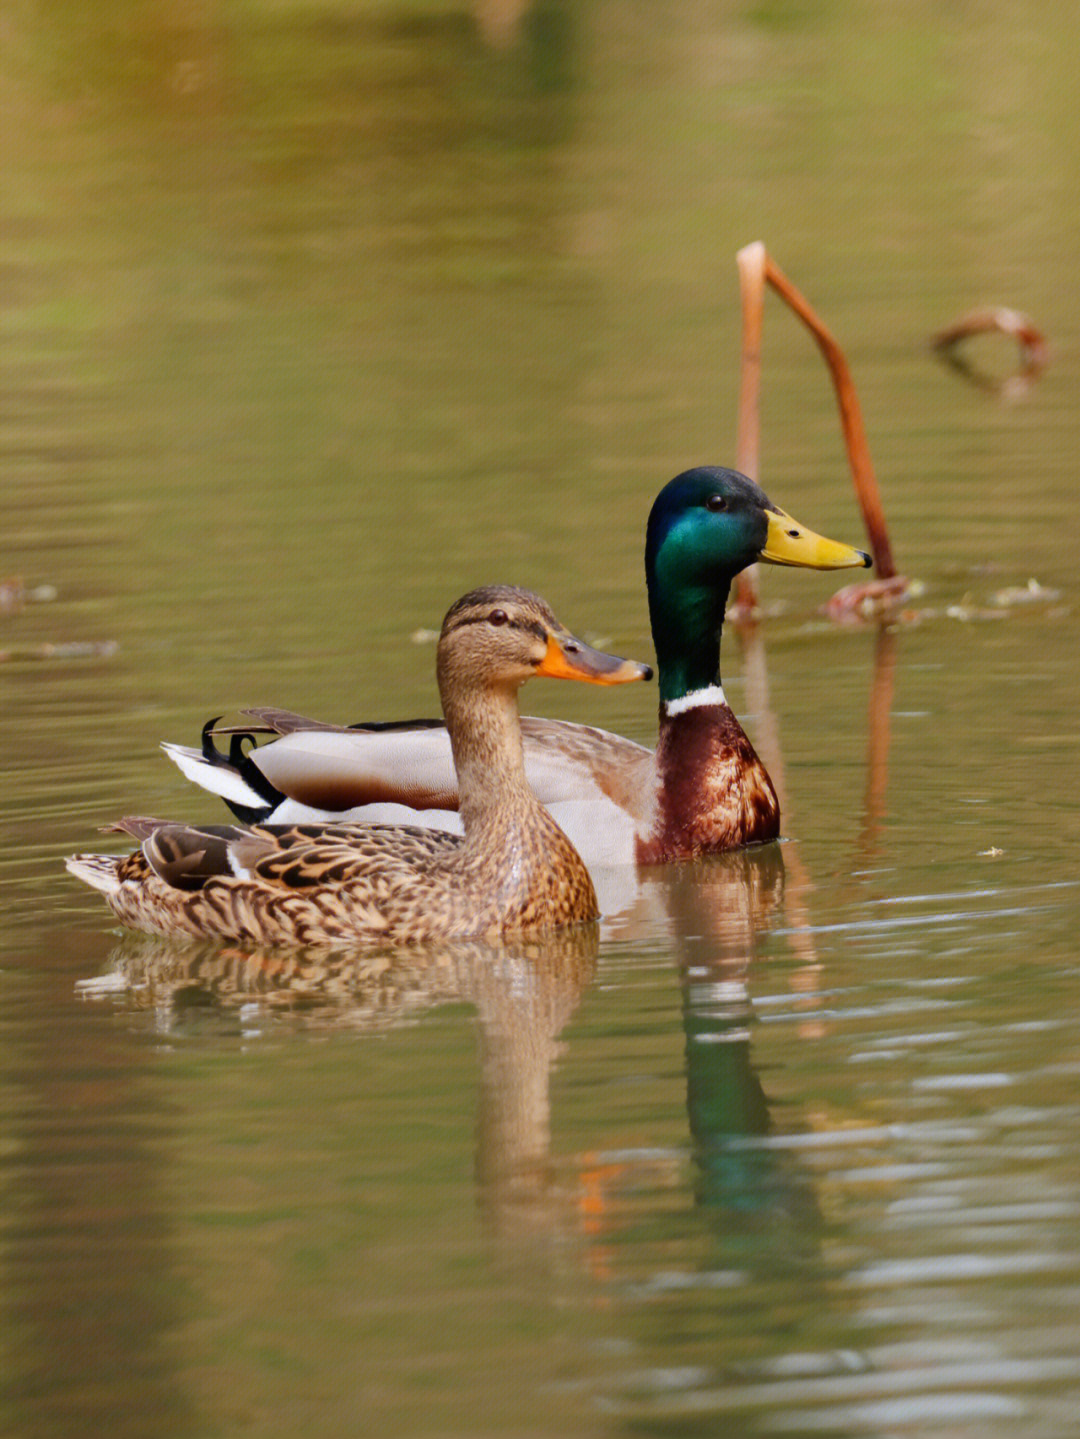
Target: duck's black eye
(716,502)
(498,617)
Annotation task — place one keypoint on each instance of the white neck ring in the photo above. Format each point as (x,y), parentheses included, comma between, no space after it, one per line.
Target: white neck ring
(710,696)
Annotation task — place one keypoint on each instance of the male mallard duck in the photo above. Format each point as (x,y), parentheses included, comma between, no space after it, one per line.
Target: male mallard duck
(513,870)
(703,789)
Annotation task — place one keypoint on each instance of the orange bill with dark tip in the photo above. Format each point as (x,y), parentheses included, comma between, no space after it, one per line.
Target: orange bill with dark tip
(568,658)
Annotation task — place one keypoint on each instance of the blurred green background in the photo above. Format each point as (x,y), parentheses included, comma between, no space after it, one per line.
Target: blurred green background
(315,315)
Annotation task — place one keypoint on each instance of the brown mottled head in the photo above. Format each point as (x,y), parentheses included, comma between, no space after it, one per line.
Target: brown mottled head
(501,635)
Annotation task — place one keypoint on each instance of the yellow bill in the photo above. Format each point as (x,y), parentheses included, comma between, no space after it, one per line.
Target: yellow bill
(789,543)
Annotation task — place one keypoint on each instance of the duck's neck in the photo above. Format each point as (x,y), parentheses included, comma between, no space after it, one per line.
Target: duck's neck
(485,736)
(687,623)
(514,858)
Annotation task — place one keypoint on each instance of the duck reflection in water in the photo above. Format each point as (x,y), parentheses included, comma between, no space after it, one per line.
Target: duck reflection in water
(524,991)
(722,910)
(715,914)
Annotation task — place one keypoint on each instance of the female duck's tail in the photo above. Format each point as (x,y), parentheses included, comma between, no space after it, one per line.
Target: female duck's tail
(96,870)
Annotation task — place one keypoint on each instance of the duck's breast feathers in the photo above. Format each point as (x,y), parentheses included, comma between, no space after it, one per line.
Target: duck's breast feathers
(715,794)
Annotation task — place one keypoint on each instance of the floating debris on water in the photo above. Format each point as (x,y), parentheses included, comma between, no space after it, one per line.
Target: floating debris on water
(871,599)
(874,602)
(1000,319)
(967,611)
(14,594)
(1030,594)
(62,650)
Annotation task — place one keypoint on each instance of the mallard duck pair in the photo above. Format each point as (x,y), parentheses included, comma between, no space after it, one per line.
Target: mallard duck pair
(513,869)
(347,830)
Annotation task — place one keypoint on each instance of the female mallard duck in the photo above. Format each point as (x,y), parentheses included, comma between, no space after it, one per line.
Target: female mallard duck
(513,870)
(703,790)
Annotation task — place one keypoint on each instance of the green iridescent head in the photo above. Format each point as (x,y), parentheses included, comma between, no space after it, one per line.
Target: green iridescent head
(705,526)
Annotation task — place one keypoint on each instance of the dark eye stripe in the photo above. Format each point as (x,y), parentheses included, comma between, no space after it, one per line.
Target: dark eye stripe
(530,627)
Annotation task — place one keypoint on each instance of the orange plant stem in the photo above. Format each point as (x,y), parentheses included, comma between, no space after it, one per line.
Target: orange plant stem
(756,270)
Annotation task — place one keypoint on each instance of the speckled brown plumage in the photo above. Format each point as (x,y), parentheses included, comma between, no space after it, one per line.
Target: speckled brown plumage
(314,885)
(714,793)
(514,869)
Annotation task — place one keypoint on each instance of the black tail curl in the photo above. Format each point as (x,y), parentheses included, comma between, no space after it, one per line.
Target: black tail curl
(238,760)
